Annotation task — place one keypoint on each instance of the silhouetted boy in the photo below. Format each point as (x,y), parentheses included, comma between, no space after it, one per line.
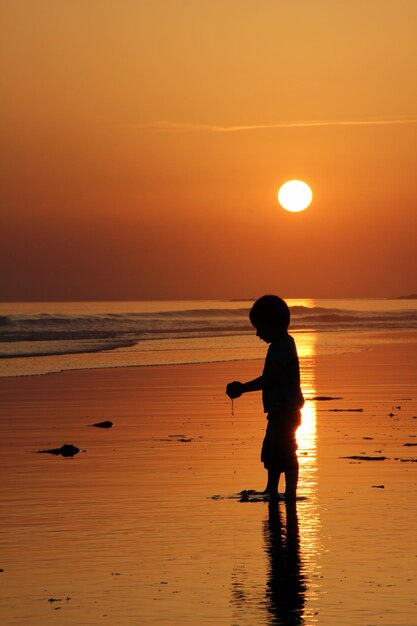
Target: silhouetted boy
(281,393)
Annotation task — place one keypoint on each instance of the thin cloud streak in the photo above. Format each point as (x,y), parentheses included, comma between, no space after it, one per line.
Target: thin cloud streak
(166,126)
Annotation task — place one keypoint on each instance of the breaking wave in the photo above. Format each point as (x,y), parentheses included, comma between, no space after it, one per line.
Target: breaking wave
(112,330)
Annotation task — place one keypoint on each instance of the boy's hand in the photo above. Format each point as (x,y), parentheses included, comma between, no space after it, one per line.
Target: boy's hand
(234,389)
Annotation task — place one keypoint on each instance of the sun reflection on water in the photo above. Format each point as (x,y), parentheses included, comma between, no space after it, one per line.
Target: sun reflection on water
(307,432)
(308,511)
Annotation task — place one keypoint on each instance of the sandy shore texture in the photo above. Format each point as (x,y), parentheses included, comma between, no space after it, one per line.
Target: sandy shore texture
(128,532)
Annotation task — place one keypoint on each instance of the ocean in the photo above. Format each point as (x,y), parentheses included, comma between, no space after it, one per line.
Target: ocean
(38,338)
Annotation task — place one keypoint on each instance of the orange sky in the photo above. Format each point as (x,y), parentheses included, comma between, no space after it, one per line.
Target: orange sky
(144,143)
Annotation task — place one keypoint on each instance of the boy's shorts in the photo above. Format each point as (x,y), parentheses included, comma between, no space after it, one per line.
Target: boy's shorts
(279,448)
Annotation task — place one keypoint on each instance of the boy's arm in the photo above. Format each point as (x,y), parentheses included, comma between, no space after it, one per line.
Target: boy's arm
(257,384)
(236,389)
(253,385)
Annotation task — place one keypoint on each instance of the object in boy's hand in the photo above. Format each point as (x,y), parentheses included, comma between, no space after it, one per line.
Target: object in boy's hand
(234,389)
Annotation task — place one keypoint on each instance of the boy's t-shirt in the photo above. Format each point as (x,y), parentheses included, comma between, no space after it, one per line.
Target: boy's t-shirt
(284,394)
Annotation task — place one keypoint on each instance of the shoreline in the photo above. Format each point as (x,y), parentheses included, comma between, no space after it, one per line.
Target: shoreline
(308,343)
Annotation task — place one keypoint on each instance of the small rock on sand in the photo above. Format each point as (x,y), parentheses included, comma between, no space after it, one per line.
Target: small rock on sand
(105,424)
(66,450)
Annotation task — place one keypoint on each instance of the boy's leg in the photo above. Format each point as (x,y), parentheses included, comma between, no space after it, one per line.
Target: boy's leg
(291,473)
(273,481)
(291,481)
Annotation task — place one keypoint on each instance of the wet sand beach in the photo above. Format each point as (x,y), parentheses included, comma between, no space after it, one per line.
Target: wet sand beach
(139,528)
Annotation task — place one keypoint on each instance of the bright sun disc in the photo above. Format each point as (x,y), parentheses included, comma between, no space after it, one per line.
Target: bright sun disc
(295,195)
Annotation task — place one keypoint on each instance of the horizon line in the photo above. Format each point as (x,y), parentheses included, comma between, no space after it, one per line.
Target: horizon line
(171,126)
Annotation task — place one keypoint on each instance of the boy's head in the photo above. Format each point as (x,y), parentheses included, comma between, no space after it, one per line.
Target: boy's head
(270,316)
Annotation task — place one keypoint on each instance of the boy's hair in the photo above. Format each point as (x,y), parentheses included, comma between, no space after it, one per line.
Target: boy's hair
(270,310)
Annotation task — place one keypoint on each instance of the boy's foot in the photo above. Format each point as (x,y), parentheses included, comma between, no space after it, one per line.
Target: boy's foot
(291,496)
(272,495)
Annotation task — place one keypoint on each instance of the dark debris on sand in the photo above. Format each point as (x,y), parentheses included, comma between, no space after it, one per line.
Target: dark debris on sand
(66,450)
(251,495)
(180,438)
(105,424)
(346,410)
(358,457)
(324,398)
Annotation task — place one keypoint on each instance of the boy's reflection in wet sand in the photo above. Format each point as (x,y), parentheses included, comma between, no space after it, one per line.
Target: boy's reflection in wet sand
(285,585)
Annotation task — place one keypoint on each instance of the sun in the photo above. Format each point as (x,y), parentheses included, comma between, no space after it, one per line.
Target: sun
(295,196)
